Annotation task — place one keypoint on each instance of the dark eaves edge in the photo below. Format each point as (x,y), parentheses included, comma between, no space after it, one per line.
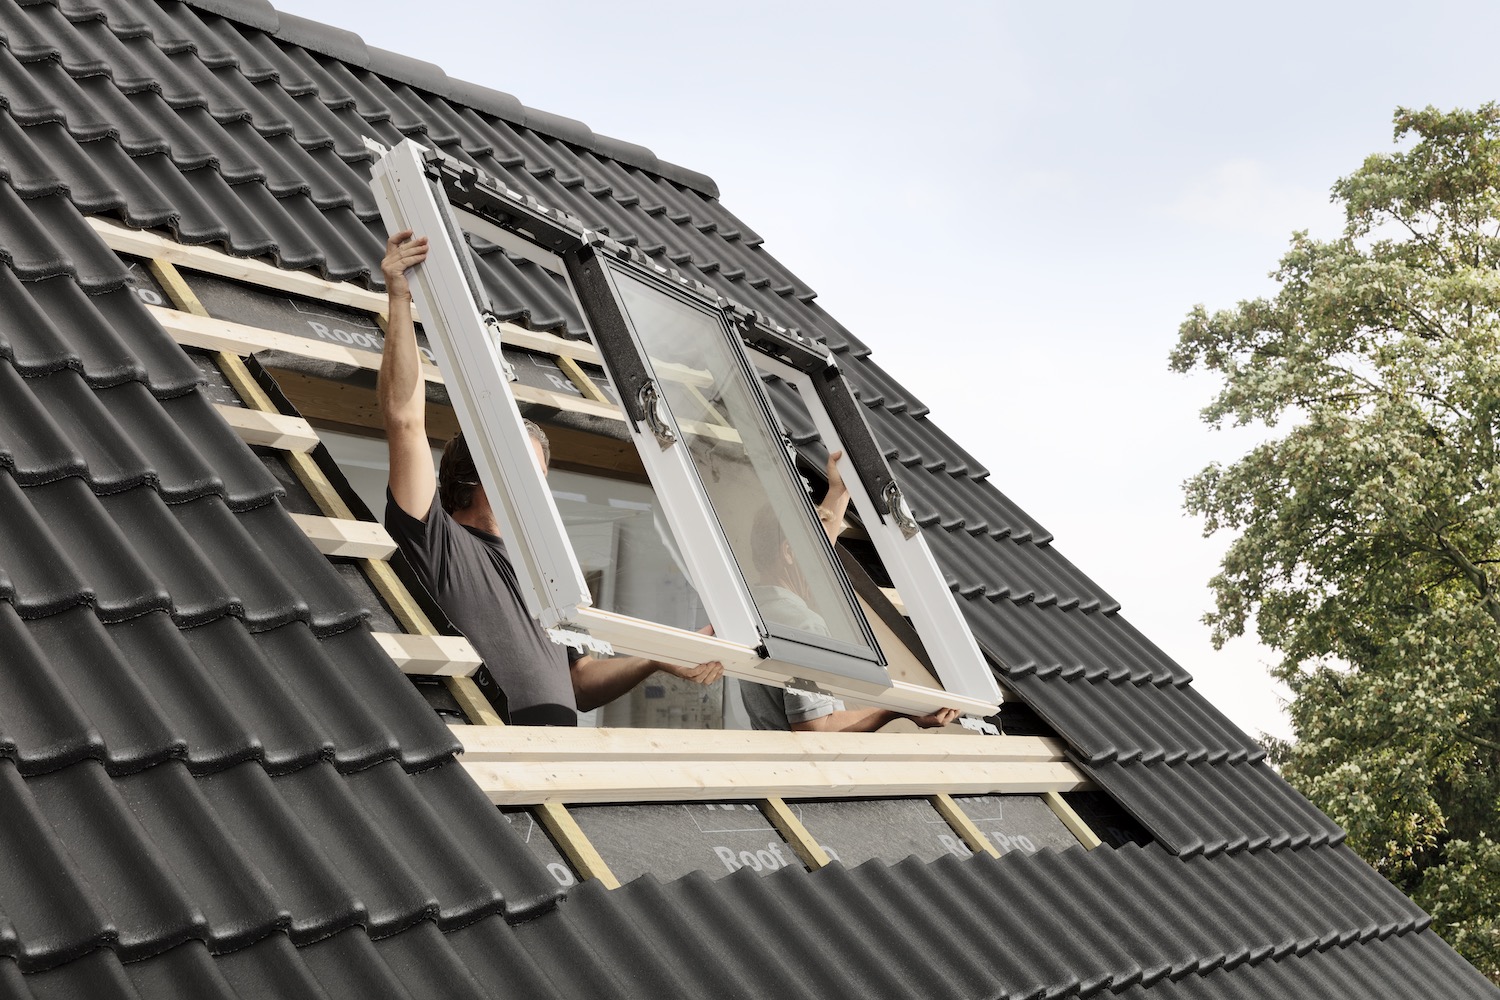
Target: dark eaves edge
(346,46)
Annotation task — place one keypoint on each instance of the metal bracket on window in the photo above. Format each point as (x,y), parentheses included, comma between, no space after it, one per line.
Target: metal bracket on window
(492,327)
(979,725)
(895,502)
(655,412)
(581,641)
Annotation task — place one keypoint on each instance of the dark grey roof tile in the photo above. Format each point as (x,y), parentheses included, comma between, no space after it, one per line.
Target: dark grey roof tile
(42,892)
(77,652)
(368,863)
(348,967)
(42,726)
(23,165)
(270,712)
(334,705)
(497,956)
(460,889)
(329,89)
(269,969)
(163,549)
(239,904)
(168,371)
(187,972)
(98,976)
(46,237)
(26,34)
(165,31)
(276,549)
(421,735)
(53,324)
(1205,808)
(33,446)
(282,848)
(36,578)
(244,480)
(120,585)
(421,958)
(107,428)
(1134,721)
(1025,638)
(476,827)
(137,135)
(131,68)
(147,909)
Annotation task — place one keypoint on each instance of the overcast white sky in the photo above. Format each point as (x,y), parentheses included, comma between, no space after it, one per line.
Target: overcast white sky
(1014,204)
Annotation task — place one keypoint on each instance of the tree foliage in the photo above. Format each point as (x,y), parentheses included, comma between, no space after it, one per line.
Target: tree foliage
(1367,529)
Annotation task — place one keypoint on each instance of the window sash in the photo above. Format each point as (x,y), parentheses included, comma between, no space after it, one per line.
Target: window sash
(553,583)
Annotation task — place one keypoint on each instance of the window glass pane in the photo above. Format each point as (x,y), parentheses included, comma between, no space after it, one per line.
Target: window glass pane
(761,504)
(626,549)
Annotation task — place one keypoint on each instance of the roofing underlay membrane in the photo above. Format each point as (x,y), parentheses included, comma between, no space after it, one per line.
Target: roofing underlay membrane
(212,784)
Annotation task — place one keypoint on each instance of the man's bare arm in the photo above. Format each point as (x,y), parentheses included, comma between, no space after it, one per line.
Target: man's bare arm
(401,388)
(600,681)
(867,720)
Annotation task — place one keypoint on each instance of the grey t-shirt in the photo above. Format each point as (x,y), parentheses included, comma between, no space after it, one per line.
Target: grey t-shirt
(470,575)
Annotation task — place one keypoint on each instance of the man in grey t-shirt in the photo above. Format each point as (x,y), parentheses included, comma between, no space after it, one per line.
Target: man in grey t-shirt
(447,529)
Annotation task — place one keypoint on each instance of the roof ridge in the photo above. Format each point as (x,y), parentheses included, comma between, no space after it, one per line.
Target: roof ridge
(349,47)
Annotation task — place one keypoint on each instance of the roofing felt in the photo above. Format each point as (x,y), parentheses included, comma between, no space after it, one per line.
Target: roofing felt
(194,801)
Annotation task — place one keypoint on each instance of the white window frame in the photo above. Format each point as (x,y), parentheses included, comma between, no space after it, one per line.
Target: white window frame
(468,351)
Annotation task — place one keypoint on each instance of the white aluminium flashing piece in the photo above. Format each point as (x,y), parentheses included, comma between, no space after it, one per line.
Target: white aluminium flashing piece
(474,369)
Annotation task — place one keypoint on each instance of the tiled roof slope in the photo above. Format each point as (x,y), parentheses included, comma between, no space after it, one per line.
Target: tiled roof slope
(190,789)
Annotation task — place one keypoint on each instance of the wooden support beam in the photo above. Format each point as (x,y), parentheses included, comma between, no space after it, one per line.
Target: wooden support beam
(533,782)
(138,243)
(472,700)
(580,378)
(963,825)
(575,846)
(336,536)
(564,745)
(1074,822)
(268,429)
(440,655)
(798,836)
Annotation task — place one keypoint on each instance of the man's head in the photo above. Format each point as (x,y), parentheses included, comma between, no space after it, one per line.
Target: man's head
(458,478)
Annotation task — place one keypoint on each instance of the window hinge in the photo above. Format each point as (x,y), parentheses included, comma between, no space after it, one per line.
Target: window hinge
(895,503)
(655,413)
(492,327)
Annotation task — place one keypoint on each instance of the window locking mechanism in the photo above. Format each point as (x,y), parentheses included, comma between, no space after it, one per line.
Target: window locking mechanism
(655,412)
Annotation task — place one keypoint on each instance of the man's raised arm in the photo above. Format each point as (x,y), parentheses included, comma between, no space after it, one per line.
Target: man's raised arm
(401,388)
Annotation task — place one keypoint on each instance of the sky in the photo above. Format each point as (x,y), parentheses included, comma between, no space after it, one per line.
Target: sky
(1014,204)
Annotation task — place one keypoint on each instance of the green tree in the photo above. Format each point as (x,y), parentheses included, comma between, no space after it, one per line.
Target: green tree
(1367,528)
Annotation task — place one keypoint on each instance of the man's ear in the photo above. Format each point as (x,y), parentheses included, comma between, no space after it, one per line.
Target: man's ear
(787,556)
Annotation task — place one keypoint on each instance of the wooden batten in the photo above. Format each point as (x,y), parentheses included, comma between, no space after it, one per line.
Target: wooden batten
(432,655)
(336,536)
(1074,822)
(575,845)
(962,825)
(269,429)
(802,842)
(532,743)
(532,783)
